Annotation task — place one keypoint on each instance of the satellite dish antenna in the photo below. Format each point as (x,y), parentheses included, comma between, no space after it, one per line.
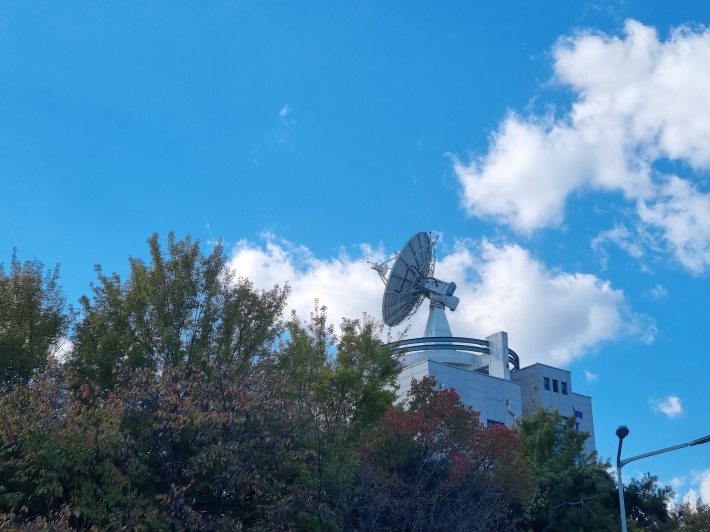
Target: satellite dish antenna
(409,280)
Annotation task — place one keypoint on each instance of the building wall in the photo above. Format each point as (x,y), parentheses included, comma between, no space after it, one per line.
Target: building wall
(501,396)
(537,392)
(498,400)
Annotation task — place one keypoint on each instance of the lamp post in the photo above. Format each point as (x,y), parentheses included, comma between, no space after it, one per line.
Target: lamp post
(621,433)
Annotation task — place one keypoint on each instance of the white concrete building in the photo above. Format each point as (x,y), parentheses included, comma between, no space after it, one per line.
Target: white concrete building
(480,372)
(550,388)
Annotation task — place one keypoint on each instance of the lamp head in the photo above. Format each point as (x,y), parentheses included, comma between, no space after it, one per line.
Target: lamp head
(622,432)
(700,441)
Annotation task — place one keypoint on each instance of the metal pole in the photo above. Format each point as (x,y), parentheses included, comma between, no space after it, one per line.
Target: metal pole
(621,433)
(625,461)
(621,500)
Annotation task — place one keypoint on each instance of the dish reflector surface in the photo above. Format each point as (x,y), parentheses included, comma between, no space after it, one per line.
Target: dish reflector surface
(405,290)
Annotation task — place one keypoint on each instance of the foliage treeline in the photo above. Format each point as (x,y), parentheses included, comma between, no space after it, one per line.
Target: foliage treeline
(187,402)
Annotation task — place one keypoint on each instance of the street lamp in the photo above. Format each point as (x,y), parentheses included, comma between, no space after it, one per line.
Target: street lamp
(621,433)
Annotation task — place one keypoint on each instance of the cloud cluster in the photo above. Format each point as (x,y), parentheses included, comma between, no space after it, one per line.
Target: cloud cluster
(551,316)
(639,101)
(670,406)
(347,286)
(657,292)
(702,480)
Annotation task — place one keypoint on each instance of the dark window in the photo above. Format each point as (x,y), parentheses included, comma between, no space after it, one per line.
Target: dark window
(564,387)
(546,382)
(555,387)
(491,422)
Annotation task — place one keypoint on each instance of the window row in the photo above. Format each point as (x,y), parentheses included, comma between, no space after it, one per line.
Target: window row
(557,386)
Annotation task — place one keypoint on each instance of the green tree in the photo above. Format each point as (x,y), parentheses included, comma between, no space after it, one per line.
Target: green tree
(338,387)
(216,455)
(695,518)
(64,460)
(189,348)
(574,488)
(183,309)
(33,318)
(646,502)
(157,453)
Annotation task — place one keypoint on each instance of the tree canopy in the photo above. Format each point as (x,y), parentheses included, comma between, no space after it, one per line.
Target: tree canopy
(574,489)
(189,402)
(183,309)
(33,318)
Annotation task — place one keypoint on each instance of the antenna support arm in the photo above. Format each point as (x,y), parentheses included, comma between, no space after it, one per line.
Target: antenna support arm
(381,269)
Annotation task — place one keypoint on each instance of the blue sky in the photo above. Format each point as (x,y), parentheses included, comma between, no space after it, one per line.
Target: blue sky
(560,149)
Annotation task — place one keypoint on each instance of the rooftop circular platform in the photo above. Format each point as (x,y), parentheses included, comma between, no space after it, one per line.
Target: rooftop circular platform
(460,350)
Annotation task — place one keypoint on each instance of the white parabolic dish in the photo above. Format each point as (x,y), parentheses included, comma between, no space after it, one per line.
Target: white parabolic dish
(410,281)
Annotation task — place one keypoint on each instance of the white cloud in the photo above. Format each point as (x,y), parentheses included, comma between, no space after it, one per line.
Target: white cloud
(534,164)
(703,479)
(591,377)
(621,237)
(62,349)
(658,92)
(701,482)
(677,482)
(691,497)
(639,100)
(285,110)
(550,316)
(557,316)
(525,178)
(280,135)
(346,285)
(657,292)
(682,214)
(670,406)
